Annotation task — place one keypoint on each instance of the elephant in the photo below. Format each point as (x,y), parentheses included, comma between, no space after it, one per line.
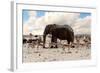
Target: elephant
(62,32)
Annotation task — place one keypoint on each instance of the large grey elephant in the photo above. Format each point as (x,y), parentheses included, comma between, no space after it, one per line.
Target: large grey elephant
(62,32)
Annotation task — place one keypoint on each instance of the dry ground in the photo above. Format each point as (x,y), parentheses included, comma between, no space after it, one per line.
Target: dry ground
(54,54)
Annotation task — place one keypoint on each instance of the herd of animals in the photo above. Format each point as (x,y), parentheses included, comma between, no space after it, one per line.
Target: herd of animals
(57,34)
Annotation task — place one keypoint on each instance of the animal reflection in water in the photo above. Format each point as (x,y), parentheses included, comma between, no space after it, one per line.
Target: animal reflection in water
(60,36)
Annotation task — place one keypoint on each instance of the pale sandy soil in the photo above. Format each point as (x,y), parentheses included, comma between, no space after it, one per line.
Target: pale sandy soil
(54,54)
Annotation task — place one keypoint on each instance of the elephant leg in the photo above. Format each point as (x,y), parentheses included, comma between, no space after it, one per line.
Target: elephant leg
(44,39)
(54,42)
(69,47)
(56,46)
(72,45)
(51,44)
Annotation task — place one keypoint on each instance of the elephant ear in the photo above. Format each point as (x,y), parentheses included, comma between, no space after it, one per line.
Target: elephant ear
(52,27)
(47,29)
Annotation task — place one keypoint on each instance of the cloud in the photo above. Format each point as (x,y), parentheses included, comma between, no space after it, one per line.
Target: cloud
(36,25)
(29,25)
(32,13)
(61,17)
(83,25)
